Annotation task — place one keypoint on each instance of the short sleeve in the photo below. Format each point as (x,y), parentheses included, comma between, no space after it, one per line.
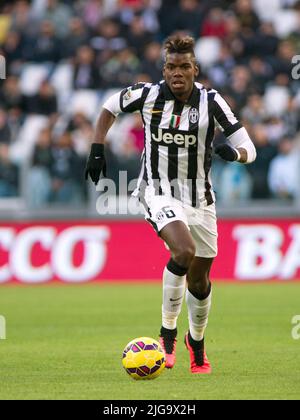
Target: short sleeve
(130,100)
(224,116)
(113,104)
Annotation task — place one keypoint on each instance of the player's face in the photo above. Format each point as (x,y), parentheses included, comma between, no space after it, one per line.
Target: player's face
(180,72)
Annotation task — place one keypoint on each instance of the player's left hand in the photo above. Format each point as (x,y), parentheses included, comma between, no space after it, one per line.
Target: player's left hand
(227,152)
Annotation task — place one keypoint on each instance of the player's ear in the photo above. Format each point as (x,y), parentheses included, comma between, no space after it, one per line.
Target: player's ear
(197,70)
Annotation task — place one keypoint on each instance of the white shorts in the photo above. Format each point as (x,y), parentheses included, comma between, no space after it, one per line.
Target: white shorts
(202,222)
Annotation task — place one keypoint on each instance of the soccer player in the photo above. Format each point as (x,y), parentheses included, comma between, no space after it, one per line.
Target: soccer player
(180,117)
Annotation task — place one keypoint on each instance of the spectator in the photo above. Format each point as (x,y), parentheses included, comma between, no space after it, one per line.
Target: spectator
(275,129)
(190,16)
(185,15)
(39,180)
(11,95)
(44,102)
(284,171)
(42,157)
(267,40)
(9,174)
(44,47)
(82,132)
(260,168)
(66,170)
(254,112)
(235,184)
(214,25)
(234,40)
(86,72)
(240,85)
(220,71)
(5,134)
(282,62)
(145,9)
(135,136)
(152,62)
(167,15)
(232,26)
(22,19)
(59,14)
(92,12)
(149,14)
(138,36)
(15,120)
(76,38)
(246,15)
(261,73)
(13,52)
(107,40)
(291,118)
(121,69)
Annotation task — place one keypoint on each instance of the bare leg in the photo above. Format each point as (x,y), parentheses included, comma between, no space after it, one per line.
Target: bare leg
(198,276)
(181,244)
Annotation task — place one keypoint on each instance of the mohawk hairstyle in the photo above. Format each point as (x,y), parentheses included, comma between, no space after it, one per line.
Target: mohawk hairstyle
(179,44)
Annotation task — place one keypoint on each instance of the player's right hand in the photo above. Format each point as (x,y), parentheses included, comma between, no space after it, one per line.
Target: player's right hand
(96,163)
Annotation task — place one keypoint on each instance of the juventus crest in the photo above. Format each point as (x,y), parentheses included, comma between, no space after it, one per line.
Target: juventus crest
(194,116)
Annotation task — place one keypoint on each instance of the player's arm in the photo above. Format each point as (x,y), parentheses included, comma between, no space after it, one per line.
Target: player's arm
(129,100)
(103,125)
(96,163)
(240,147)
(243,145)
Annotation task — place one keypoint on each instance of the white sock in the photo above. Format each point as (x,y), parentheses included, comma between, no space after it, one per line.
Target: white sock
(198,315)
(173,296)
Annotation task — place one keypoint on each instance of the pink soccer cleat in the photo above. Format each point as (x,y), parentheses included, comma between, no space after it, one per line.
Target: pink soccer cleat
(168,343)
(199,361)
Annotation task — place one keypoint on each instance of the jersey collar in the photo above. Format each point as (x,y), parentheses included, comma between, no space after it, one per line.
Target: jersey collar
(168,95)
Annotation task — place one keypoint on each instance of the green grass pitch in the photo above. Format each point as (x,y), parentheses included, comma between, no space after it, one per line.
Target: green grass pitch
(66,342)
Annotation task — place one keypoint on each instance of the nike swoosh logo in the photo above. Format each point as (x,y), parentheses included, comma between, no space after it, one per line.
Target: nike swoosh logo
(98,157)
(176,300)
(156,111)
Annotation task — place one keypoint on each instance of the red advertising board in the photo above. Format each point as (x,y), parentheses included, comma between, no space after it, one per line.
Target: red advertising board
(81,252)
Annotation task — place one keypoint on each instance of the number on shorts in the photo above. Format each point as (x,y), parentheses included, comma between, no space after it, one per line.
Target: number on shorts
(169,212)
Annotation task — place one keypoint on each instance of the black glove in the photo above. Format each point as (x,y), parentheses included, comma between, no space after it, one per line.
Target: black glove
(226,152)
(96,163)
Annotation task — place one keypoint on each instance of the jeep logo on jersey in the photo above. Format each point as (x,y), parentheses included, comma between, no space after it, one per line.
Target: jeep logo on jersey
(194,116)
(181,139)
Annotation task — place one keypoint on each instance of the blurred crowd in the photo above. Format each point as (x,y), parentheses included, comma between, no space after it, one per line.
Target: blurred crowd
(63,58)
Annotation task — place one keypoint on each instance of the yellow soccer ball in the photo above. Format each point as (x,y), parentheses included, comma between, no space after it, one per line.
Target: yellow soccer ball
(143,358)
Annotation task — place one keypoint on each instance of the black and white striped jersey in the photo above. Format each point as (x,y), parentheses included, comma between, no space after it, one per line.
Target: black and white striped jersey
(178,139)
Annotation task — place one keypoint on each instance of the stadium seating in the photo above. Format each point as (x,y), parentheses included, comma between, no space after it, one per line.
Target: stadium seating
(245,58)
